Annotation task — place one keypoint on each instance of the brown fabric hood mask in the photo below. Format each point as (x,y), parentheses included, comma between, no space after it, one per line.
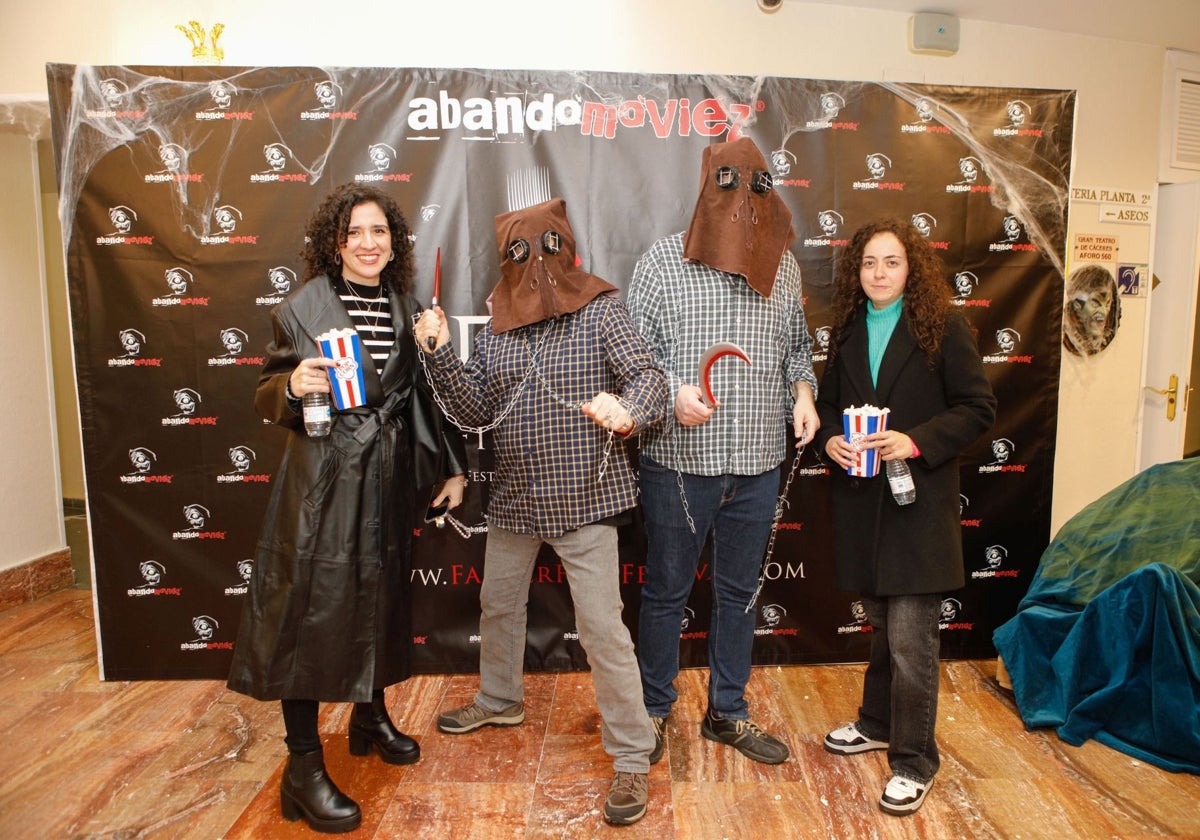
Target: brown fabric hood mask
(740,225)
(538,276)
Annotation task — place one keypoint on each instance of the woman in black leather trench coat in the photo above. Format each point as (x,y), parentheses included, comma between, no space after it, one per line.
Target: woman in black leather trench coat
(328,615)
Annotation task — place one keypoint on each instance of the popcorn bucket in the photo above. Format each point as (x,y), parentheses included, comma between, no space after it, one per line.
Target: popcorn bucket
(857,423)
(346,377)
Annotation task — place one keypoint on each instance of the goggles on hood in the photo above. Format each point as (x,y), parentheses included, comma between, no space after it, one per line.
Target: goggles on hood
(728,178)
(519,250)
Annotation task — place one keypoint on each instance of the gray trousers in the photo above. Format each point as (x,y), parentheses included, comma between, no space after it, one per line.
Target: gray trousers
(589,557)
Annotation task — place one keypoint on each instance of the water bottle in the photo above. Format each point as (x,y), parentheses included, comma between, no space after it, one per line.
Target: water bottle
(904,491)
(318,416)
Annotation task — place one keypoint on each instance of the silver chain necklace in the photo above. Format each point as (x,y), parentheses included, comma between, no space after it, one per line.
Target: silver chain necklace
(378,316)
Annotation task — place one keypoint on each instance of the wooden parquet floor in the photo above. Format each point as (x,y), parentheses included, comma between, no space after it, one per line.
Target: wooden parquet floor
(83,758)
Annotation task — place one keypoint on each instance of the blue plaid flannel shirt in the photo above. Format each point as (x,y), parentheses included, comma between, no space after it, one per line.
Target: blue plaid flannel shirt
(548,455)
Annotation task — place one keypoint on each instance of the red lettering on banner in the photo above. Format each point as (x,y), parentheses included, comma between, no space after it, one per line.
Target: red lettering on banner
(685,121)
(661,123)
(599,120)
(460,574)
(633,573)
(550,574)
(632,113)
(741,116)
(709,118)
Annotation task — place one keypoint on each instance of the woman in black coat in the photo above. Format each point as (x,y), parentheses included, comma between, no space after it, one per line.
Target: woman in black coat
(897,343)
(328,616)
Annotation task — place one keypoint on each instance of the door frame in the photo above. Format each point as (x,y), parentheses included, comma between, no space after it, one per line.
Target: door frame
(1170,322)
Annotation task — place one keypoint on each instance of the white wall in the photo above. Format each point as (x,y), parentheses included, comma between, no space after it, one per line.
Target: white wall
(1116,139)
(30,500)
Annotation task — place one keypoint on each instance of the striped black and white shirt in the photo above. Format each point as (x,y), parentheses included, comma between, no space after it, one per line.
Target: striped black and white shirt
(369,309)
(682,309)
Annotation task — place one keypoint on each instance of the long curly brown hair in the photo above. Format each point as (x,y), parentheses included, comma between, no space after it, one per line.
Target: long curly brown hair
(330,224)
(926,291)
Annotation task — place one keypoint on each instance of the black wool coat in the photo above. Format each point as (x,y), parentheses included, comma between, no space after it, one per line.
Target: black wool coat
(328,614)
(882,548)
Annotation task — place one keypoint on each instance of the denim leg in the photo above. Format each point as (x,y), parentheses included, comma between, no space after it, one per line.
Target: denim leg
(508,563)
(910,633)
(589,557)
(740,534)
(672,554)
(875,713)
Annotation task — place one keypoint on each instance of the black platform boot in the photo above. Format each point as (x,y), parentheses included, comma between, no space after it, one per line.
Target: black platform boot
(307,791)
(370,726)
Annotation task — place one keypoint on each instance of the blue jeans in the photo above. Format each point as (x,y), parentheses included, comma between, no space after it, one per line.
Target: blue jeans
(589,557)
(736,511)
(900,690)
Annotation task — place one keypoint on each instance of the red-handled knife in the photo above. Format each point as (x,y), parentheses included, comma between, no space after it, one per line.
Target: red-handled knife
(431,342)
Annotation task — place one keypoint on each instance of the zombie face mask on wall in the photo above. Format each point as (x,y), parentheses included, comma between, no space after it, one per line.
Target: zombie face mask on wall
(740,225)
(539,279)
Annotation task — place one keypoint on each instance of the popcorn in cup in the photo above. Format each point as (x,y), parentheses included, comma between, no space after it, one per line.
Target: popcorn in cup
(345,377)
(857,423)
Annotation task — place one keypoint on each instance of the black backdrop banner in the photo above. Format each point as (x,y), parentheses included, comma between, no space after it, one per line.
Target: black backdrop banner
(184,193)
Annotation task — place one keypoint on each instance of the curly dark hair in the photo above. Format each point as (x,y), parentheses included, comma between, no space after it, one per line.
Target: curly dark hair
(926,291)
(330,224)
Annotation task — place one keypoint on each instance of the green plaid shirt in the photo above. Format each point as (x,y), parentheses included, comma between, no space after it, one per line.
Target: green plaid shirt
(683,308)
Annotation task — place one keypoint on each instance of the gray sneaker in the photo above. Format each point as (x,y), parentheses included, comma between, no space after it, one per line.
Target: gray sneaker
(472,716)
(656,754)
(627,798)
(746,737)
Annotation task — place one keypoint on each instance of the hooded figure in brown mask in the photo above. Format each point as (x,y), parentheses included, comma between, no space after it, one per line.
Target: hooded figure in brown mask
(712,473)
(740,224)
(561,375)
(539,279)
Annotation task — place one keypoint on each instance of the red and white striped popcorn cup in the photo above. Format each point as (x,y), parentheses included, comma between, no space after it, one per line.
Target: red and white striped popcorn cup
(346,377)
(857,423)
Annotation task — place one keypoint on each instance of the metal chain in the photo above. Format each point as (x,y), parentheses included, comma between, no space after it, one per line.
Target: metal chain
(608,444)
(532,369)
(687,513)
(537,371)
(554,395)
(779,506)
(465,531)
(504,412)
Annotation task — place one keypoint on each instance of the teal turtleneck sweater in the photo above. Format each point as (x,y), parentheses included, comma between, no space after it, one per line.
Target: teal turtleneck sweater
(880,324)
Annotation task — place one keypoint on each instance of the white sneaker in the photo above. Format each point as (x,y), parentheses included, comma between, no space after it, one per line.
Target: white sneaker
(903,796)
(850,739)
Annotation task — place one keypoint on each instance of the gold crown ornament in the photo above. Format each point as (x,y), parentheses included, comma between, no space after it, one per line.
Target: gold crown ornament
(204,45)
